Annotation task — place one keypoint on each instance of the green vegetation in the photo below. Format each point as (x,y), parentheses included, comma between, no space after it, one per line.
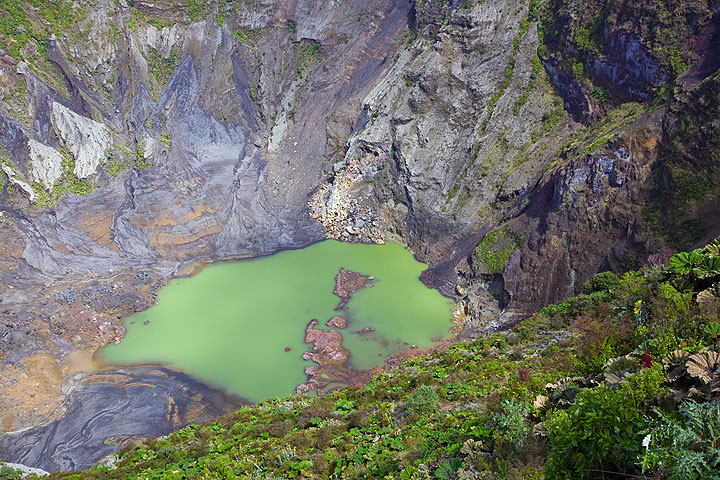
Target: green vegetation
(511,425)
(537,69)
(42,198)
(550,120)
(606,128)
(25,28)
(627,381)
(601,94)
(114,166)
(589,39)
(423,401)
(17,28)
(310,53)
(165,138)
(138,16)
(602,282)
(249,36)
(686,446)
(68,182)
(223,11)
(197,10)
(72,182)
(686,177)
(408,37)
(17,94)
(496,247)
(115,32)
(140,161)
(614,425)
(7,473)
(507,76)
(573,33)
(161,67)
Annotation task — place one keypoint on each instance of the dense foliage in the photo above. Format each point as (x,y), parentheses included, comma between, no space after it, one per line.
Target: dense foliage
(624,382)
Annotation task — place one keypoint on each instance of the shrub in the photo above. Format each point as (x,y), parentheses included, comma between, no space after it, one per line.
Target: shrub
(675,302)
(601,282)
(511,425)
(601,94)
(578,305)
(601,432)
(7,473)
(496,248)
(647,384)
(712,330)
(424,400)
(344,406)
(686,448)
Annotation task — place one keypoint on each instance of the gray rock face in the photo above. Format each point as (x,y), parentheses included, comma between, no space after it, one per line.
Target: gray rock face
(45,163)
(448,131)
(169,125)
(111,410)
(206,186)
(629,68)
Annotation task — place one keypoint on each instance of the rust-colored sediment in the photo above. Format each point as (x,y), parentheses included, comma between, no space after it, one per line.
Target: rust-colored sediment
(31,391)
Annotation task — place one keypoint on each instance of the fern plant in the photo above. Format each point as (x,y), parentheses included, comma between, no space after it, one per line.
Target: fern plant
(712,330)
(447,470)
(688,448)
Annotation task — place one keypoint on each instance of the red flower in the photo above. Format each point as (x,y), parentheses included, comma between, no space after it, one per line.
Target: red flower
(647,358)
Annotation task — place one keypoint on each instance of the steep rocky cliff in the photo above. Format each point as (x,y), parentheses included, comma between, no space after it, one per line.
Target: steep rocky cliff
(518,147)
(144,136)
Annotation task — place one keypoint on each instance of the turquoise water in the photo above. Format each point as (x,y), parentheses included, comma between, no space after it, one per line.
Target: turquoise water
(229,325)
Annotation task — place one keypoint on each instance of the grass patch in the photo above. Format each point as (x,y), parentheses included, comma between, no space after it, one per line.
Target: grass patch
(114,166)
(249,36)
(310,53)
(161,67)
(197,10)
(496,247)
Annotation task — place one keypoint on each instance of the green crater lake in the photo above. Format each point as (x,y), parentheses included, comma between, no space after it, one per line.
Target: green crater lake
(229,325)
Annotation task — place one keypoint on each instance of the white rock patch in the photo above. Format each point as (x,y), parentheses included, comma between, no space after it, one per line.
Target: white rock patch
(25,469)
(46,163)
(280,126)
(87,139)
(16,181)
(148,148)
